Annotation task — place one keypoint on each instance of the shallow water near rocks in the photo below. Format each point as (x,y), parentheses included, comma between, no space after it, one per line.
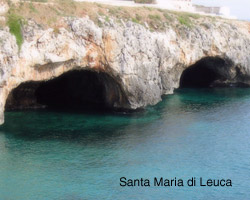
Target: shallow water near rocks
(67,155)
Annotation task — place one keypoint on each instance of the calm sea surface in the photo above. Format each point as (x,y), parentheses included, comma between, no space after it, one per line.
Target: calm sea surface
(74,156)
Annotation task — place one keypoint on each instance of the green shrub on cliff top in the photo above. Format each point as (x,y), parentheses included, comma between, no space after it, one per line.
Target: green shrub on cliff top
(15,25)
(145,1)
(185,21)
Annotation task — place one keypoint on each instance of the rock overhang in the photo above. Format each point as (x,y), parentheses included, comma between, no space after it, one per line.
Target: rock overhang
(146,64)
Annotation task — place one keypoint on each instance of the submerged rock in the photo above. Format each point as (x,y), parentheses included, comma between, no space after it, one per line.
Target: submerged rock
(142,65)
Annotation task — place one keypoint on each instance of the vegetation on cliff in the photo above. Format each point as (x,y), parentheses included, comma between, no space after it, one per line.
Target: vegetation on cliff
(48,13)
(15,22)
(145,1)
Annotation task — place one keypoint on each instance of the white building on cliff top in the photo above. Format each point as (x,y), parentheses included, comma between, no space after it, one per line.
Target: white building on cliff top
(184,5)
(178,5)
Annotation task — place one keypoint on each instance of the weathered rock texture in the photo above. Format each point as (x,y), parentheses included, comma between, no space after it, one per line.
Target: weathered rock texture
(145,65)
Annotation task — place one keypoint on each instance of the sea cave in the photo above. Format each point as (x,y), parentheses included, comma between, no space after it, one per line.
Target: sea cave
(77,89)
(207,72)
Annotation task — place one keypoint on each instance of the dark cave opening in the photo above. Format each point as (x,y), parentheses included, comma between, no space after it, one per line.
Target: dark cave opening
(77,89)
(204,73)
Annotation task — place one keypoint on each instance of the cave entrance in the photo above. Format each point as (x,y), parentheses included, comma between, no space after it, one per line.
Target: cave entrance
(78,89)
(205,73)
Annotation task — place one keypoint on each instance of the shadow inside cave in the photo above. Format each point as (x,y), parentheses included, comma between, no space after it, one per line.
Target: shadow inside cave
(76,89)
(207,72)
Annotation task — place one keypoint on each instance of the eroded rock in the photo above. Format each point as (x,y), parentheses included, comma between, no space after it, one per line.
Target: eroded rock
(144,64)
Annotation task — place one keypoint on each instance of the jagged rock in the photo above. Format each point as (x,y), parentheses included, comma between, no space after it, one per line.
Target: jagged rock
(145,65)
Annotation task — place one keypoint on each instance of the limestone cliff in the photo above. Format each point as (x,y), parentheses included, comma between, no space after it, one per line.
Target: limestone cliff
(144,65)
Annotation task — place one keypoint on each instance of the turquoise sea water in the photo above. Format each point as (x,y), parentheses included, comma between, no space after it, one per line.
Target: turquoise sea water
(75,156)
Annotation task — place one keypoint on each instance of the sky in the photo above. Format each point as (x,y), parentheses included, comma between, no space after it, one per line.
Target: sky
(239,8)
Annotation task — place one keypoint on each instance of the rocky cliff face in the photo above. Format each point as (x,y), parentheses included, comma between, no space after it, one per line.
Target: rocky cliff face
(139,66)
